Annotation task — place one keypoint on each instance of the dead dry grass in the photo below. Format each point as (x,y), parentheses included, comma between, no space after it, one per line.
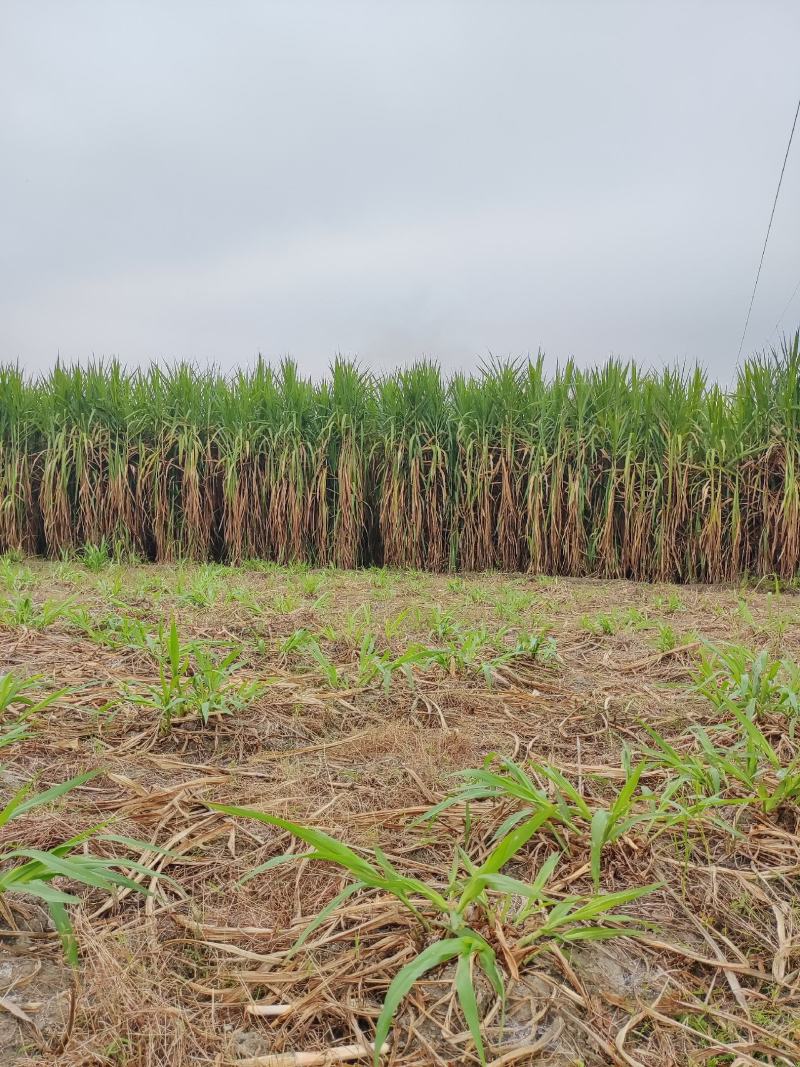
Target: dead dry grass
(199,972)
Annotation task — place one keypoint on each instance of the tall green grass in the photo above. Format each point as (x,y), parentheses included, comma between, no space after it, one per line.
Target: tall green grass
(611,471)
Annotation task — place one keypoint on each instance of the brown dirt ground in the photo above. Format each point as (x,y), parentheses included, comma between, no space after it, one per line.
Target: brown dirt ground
(169,979)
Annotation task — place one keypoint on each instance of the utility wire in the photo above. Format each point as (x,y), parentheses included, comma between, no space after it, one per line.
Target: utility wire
(788,305)
(769,227)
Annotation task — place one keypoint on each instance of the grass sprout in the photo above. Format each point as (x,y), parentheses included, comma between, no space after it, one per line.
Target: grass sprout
(471,898)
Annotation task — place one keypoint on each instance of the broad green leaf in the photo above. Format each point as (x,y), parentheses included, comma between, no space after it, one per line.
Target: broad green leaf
(432,956)
(58,914)
(566,787)
(24,800)
(46,892)
(606,902)
(625,794)
(599,828)
(327,847)
(514,841)
(468,1002)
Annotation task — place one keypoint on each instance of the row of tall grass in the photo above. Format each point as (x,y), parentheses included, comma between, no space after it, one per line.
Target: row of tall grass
(612,471)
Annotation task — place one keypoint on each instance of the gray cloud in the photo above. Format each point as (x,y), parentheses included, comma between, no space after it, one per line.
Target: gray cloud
(206,181)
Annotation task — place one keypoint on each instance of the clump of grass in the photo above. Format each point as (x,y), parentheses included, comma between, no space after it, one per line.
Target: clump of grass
(303,643)
(310,584)
(13,575)
(32,871)
(442,623)
(285,603)
(384,665)
(95,557)
(469,651)
(17,695)
(513,604)
(754,681)
(733,763)
(561,802)
(379,578)
(612,622)
(192,682)
(668,604)
(202,587)
(21,610)
(456,913)
(116,630)
(19,703)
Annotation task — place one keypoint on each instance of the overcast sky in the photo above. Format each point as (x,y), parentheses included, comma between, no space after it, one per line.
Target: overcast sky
(207,180)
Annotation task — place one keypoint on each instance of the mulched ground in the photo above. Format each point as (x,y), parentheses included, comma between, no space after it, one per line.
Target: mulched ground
(200,972)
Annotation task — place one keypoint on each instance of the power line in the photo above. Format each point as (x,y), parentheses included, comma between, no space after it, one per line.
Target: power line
(769,227)
(788,305)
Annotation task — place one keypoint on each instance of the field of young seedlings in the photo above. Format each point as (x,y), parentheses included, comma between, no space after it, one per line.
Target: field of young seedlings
(284,815)
(611,472)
